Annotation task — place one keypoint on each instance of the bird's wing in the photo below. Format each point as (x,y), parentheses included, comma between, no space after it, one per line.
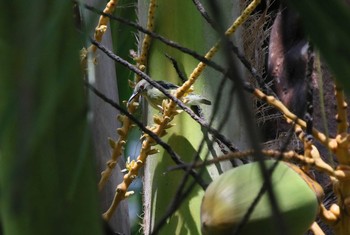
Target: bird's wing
(167,85)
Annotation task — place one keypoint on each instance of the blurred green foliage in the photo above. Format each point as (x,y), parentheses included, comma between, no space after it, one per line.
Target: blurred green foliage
(47,175)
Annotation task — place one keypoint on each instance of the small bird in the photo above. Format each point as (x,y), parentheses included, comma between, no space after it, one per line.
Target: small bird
(155,97)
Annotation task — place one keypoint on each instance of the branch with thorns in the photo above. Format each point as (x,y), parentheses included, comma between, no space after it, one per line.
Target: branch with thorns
(100,30)
(118,146)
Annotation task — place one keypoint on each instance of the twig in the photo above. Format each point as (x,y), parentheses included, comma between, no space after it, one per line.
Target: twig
(204,13)
(177,69)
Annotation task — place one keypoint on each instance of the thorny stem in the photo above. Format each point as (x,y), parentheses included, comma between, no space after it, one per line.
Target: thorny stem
(121,192)
(102,23)
(100,30)
(146,43)
(118,145)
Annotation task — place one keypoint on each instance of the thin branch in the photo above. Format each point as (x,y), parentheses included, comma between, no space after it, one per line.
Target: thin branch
(203,12)
(177,68)
(276,154)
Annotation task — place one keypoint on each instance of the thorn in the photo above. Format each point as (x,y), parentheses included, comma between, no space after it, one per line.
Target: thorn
(170,125)
(120,118)
(112,143)
(157,119)
(111,164)
(142,67)
(129,193)
(167,119)
(131,84)
(163,133)
(121,132)
(152,151)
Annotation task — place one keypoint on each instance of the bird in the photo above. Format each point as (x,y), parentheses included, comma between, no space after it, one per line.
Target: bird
(155,97)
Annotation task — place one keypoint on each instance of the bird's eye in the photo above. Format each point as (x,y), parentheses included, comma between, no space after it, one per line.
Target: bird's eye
(142,87)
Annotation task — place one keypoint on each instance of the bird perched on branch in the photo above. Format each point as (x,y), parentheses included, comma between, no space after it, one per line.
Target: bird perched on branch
(155,97)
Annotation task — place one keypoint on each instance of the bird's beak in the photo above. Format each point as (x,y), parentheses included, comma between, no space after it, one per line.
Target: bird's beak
(134,94)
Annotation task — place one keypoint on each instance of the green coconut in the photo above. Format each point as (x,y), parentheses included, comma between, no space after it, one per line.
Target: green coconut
(229,196)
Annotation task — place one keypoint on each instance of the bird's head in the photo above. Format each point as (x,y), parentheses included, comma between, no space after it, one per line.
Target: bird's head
(140,88)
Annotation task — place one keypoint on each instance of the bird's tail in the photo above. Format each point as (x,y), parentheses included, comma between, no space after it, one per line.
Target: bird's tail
(205,101)
(194,99)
